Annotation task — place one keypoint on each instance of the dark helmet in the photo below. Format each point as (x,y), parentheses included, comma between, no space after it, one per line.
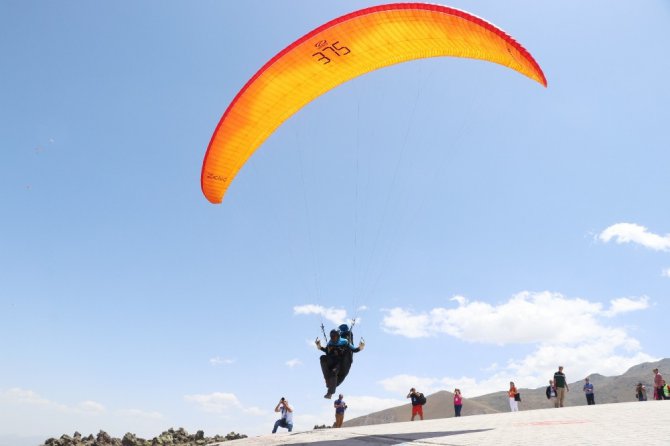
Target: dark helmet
(344,328)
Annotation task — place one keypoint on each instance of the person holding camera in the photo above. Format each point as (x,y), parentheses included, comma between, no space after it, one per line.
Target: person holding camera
(641,392)
(552,395)
(286,420)
(340,407)
(588,391)
(418,400)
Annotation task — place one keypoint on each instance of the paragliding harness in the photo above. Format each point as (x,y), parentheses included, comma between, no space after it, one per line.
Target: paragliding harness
(344,353)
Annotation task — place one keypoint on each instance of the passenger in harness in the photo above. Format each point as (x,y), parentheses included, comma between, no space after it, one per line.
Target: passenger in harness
(339,353)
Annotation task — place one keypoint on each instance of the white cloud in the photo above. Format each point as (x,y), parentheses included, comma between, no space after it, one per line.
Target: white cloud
(528,317)
(492,368)
(293,362)
(254,411)
(402,322)
(665,272)
(24,396)
(566,331)
(90,407)
(634,233)
(31,398)
(335,315)
(217,402)
(222,403)
(400,384)
(626,304)
(217,360)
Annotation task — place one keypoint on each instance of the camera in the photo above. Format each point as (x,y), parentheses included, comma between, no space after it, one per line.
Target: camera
(282,399)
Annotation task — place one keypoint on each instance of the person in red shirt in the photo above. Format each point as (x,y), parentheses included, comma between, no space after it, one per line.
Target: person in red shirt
(513,398)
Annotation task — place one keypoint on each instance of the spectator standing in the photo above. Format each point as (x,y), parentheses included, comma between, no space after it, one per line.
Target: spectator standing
(588,391)
(561,385)
(551,393)
(286,420)
(340,407)
(658,385)
(458,402)
(641,392)
(418,400)
(514,397)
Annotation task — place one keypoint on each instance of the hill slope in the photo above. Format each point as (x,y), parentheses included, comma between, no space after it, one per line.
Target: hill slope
(608,389)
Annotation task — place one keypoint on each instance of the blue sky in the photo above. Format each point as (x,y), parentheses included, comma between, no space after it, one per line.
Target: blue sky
(481,228)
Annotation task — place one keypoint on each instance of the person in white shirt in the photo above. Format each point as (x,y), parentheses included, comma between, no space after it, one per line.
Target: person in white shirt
(286,419)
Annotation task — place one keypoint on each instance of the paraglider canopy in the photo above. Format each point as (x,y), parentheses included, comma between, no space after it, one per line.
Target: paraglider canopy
(338,51)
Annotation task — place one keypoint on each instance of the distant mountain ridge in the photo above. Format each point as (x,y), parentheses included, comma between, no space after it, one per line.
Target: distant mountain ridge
(608,389)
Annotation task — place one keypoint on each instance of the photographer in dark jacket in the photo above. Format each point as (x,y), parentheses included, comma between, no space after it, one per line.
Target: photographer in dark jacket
(418,400)
(551,392)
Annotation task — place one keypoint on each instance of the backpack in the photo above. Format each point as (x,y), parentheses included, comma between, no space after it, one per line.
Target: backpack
(421,399)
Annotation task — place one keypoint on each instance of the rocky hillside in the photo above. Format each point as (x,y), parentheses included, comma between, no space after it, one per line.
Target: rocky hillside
(608,389)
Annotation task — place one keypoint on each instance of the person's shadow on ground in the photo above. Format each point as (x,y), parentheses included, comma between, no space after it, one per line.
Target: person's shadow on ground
(389,439)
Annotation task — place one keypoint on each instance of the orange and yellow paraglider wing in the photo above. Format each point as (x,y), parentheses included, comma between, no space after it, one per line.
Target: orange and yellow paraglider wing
(341,50)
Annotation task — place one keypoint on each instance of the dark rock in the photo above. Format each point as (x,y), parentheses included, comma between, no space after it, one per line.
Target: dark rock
(129,440)
(103,438)
(171,437)
(166,438)
(234,436)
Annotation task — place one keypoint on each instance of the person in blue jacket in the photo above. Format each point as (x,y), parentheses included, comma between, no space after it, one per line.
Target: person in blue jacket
(336,362)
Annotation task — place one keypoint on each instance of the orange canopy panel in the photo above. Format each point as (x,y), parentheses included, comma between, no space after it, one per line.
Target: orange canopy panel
(336,52)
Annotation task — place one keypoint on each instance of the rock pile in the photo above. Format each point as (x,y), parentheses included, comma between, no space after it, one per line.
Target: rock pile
(171,437)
